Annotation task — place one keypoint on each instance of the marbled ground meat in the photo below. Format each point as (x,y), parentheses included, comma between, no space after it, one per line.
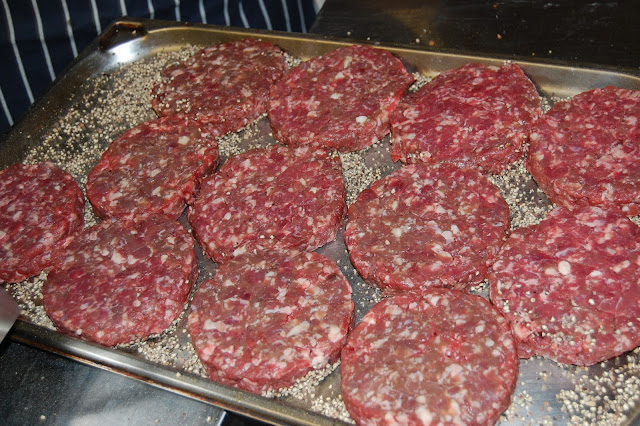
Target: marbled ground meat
(571,286)
(122,280)
(475,115)
(585,151)
(340,100)
(41,211)
(155,167)
(226,85)
(426,225)
(441,357)
(266,320)
(275,197)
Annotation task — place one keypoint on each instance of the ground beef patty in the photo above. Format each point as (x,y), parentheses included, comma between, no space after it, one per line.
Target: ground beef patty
(441,357)
(276,197)
(426,225)
(153,168)
(227,85)
(475,115)
(585,151)
(571,286)
(41,211)
(266,320)
(122,280)
(340,100)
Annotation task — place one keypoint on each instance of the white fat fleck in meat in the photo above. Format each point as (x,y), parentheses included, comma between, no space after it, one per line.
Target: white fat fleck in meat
(623,265)
(564,267)
(114,195)
(118,258)
(280,310)
(424,415)
(361,119)
(397,232)
(452,372)
(298,329)
(335,334)
(217,325)
(394,310)
(448,236)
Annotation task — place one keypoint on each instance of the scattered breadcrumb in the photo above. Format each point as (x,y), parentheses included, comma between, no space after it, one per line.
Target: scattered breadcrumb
(419,81)
(528,205)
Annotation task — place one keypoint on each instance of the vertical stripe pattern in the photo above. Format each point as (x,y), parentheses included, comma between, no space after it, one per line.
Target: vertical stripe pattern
(302,23)
(245,21)
(177,3)
(67,19)
(227,20)
(5,108)
(265,14)
(43,43)
(203,13)
(285,10)
(42,36)
(96,17)
(152,11)
(16,52)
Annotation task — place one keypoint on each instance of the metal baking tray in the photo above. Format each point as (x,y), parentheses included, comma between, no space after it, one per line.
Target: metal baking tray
(547,392)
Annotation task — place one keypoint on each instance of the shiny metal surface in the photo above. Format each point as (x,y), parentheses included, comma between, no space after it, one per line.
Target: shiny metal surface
(133,40)
(9,312)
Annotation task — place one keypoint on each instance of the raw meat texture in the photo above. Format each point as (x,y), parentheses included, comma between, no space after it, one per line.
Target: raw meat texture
(156,167)
(266,320)
(226,85)
(276,197)
(441,357)
(571,286)
(41,211)
(476,115)
(585,151)
(341,100)
(426,225)
(122,280)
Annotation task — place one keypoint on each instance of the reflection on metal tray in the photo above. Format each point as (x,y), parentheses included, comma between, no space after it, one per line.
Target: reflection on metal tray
(544,392)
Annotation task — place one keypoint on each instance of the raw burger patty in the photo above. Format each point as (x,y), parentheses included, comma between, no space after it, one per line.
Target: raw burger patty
(442,357)
(475,115)
(426,225)
(585,151)
(155,167)
(266,320)
(227,84)
(339,100)
(275,197)
(571,286)
(122,280)
(41,211)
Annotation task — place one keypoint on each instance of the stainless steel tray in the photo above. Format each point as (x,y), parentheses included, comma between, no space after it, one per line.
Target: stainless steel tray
(547,392)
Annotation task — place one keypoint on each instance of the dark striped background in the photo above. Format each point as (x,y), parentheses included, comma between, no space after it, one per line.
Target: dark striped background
(39,38)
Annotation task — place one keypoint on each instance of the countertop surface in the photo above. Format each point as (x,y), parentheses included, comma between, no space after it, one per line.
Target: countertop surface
(39,387)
